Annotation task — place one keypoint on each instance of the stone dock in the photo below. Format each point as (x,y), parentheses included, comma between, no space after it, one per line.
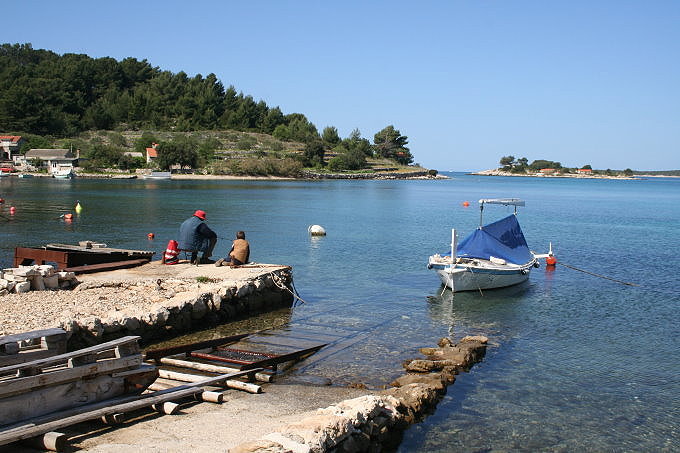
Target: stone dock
(153,301)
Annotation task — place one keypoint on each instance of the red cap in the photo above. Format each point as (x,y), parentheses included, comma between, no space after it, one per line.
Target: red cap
(200,214)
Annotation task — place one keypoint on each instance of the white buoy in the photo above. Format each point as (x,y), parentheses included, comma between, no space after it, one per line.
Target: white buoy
(316,230)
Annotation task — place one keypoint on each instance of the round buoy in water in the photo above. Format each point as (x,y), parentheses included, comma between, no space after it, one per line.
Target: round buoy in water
(68,216)
(550,261)
(150,235)
(12,210)
(316,230)
(466,203)
(2,200)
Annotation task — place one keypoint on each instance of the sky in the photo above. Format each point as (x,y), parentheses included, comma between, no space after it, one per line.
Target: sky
(468,82)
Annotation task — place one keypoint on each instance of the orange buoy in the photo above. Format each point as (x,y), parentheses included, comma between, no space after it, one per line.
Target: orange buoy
(150,235)
(466,203)
(68,216)
(550,261)
(12,210)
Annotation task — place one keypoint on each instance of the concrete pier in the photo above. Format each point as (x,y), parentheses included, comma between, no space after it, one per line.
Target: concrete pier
(153,301)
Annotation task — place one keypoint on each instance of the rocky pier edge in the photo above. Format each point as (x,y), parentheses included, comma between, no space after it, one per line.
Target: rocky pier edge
(374,423)
(151,305)
(214,302)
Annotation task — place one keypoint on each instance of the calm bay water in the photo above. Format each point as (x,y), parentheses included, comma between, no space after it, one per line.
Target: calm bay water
(576,362)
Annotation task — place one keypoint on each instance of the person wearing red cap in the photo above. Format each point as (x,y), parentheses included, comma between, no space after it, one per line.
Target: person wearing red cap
(196,236)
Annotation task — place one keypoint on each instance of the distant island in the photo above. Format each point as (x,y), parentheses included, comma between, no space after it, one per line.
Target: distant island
(125,116)
(547,168)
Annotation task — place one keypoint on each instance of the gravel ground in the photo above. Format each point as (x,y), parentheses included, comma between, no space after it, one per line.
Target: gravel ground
(131,292)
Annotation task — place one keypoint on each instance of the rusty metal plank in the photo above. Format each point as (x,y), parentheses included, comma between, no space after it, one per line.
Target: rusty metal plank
(89,268)
(156,354)
(267,362)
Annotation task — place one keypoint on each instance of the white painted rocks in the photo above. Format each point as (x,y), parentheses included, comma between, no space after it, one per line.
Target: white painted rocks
(37,278)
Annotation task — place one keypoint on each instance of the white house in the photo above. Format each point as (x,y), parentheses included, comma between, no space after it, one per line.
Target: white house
(54,159)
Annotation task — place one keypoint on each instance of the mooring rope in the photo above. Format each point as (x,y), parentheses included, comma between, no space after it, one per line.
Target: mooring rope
(281,285)
(597,275)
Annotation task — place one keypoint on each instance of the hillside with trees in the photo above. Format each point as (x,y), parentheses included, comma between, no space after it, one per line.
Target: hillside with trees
(107,108)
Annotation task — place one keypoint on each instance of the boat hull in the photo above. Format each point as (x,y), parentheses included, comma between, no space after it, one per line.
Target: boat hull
(460,278)
(52,398)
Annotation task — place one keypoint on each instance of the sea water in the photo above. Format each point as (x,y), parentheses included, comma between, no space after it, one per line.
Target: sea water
(575,362)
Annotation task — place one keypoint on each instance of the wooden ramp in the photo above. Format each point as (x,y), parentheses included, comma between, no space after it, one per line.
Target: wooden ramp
(191,362)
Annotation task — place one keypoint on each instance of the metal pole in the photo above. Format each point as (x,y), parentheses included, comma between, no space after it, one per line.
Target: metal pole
(481,210)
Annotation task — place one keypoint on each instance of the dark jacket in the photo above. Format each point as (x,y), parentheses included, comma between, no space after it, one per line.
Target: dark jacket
(194,234)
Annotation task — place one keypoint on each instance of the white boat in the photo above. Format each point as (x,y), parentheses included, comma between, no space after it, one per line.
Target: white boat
(493,256)
(63,173)
(158,175)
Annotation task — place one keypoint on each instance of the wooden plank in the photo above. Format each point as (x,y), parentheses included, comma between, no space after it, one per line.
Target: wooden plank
(63,358)
(173,361)
(188,377)
(90,268)
(156,354)
(41,425)
(28,346)
(17,337)
(28,383)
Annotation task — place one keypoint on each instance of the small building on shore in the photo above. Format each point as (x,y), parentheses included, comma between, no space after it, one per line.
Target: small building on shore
(52,159)
(9,146)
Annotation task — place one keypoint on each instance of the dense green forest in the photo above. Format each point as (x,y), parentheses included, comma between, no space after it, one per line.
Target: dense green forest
(43,94)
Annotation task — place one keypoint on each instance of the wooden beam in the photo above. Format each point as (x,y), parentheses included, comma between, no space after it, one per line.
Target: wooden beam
(231,383)
(262,377)
(63,358)
(17,337)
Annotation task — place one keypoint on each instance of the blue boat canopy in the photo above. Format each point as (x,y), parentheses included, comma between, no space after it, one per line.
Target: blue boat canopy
(501,239)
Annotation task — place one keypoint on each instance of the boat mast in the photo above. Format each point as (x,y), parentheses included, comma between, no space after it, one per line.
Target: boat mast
(454,246)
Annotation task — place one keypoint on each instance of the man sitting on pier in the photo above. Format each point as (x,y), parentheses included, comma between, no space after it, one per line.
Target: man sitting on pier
(196,236)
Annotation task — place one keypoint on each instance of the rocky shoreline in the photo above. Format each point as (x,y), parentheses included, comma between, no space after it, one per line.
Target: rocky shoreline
(498,172)
(375,422)
(305,176)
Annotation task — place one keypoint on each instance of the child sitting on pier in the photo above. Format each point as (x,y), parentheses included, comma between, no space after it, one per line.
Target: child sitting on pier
(239,253)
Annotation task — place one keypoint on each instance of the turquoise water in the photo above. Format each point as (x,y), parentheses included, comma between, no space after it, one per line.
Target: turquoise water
(576,362)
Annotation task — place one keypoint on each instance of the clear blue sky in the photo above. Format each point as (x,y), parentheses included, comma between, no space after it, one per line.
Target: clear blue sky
(579,82)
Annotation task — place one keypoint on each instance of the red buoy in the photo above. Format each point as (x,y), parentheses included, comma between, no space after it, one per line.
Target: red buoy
(150,235)
(466,203)
(2,200)
(68,216)
(550,261)
(12,210)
